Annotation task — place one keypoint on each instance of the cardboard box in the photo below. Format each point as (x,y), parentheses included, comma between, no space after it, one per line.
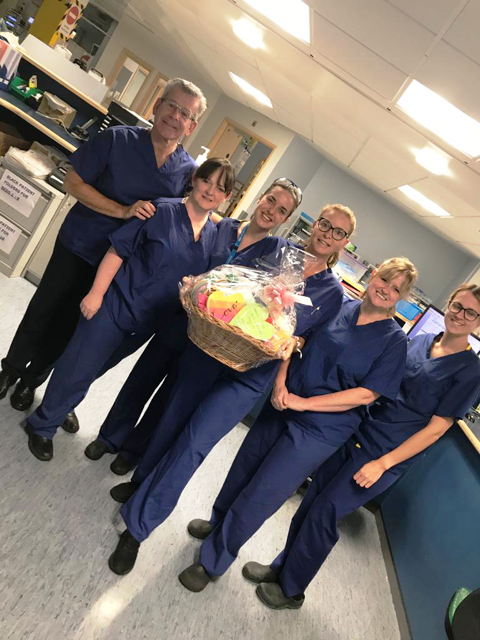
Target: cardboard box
(57,109)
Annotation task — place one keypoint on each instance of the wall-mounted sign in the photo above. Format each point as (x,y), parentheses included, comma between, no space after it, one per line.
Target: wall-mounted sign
(9,234)
(20,195)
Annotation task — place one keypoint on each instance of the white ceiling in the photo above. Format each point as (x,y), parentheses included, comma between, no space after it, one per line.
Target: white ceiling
(340,91)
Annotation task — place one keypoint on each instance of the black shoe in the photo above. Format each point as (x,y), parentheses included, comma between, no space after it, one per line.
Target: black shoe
(71,423)
(6,382)
(199,528)
(96,450)
(272,595)
(124,491)
(42,448)
(22,398)
(194,578)
(120,466)
(123,558)
(258,573)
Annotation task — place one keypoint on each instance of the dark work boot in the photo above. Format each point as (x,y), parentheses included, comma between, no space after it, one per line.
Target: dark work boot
(258,573)
(41,447)
(123,558)
(96,450)
(71,423)
(199,528)
(272,595)
(22,398)
(6,381)
(194,578)
(124,491)
(121,466)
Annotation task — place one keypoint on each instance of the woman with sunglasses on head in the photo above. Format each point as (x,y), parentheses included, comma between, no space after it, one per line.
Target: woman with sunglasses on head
(441,381)
(318,403)
(177,449)
(237,243)
(135,290)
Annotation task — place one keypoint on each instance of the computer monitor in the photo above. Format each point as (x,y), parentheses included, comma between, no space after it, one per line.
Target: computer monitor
(432,321)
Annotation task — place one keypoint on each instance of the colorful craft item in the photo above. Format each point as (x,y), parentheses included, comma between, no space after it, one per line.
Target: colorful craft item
(225,307)
(279,295)
(252,320)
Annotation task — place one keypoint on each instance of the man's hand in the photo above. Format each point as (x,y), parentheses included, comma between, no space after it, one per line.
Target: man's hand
(91,304)
(368,475)
(295,402)
(141,209)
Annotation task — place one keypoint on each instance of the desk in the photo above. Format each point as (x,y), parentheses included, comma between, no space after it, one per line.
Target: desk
(48,127)
(470,434)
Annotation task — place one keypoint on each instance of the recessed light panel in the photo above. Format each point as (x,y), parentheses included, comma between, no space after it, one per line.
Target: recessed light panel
(247,87)
(424,202)
(441,118)
(291,15)
(248,33)
(433,160)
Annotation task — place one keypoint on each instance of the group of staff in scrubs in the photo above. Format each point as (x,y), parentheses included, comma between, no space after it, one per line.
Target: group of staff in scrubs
(352,402)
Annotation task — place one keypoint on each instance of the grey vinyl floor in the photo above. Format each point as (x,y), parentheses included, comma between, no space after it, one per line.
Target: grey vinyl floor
(58,525)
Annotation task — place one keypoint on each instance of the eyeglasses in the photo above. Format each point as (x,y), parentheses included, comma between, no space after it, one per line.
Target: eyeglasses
(337,232)
(469,314)
(173,106)
(291,187)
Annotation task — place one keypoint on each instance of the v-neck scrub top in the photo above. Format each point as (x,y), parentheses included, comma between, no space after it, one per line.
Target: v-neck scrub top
(443,387)
(121,164)
(344,356)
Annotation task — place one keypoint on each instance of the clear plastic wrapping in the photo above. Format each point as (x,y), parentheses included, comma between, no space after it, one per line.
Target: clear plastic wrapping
(255,304)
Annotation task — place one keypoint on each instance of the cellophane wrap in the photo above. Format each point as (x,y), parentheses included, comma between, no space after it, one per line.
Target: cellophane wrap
(256,303)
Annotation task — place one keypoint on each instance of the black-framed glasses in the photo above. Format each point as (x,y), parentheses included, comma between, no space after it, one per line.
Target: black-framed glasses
(337,232)
(185,114)
(291,187)
(469,314)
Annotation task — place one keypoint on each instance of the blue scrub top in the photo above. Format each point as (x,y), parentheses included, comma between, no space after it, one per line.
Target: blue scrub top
(121,164)
(342,356)
(157,253)
(444,387)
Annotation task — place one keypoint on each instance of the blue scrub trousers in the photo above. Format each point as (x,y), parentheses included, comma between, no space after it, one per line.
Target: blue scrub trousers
(118,431)
(160,490)
(92,344)
(296,452)
(333,494)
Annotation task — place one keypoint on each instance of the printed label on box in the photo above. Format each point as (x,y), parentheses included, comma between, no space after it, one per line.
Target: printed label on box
(9,234)
(17,193)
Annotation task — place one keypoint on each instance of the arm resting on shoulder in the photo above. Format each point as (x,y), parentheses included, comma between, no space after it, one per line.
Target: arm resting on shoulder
(106,272)
(373,471)
(92,198)
(333,402)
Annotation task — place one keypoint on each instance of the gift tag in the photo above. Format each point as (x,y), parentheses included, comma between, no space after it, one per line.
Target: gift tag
(252,320)
(225,307)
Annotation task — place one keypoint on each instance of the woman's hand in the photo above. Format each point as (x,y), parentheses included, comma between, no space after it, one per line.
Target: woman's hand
(295,402)
(370,473)
(279,396)
(141,209)
(91,304)
(288,349)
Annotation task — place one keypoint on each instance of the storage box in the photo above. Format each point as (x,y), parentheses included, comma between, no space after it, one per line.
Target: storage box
(9,137)
(57,109)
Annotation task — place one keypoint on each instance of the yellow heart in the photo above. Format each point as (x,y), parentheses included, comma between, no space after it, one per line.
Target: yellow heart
(225,307)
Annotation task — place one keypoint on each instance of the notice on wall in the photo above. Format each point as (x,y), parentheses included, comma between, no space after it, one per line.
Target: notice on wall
(9,234)
(19,194)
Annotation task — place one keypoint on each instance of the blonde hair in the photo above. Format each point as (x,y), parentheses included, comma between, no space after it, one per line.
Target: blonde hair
(473,288)
(393,267)
(340,208)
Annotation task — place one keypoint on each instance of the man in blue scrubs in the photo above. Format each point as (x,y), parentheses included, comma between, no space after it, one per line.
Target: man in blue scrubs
(117,175)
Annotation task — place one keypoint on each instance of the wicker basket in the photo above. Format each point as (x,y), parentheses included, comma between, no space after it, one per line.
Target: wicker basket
(223,342)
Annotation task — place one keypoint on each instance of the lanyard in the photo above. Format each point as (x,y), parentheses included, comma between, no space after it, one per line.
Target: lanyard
(234,251)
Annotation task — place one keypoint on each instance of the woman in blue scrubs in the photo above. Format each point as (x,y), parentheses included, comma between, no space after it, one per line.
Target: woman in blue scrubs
(117,175)
(441,381)
(236,243)
(347,365)
(178,448)
(135,290)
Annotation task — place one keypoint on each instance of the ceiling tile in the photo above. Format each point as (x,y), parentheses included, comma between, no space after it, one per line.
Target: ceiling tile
(437,189)
(303,126)
(336,142)
(432,15)
(463,34)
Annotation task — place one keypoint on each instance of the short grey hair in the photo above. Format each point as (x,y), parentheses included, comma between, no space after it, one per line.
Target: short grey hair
(191,89)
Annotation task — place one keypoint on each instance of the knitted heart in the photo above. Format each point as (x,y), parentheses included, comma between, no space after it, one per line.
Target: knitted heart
(225,307)
(252,320)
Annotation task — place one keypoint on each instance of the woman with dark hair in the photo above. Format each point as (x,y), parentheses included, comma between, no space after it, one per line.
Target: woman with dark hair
(135,290)
(442,379)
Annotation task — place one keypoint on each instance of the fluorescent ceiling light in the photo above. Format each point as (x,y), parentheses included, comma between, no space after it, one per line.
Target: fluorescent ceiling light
(291,15)
(245,86)
(433,160)
(441,118)
(424,202)
(248,33)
